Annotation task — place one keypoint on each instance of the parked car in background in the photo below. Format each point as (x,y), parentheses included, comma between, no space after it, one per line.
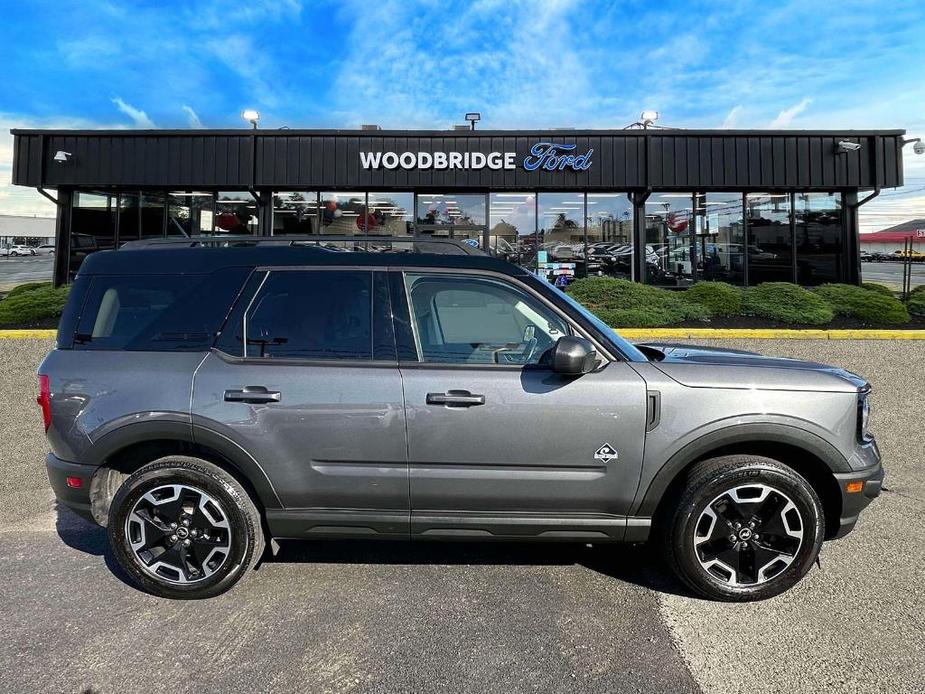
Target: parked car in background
(17,250)
(45,249)
(916,256)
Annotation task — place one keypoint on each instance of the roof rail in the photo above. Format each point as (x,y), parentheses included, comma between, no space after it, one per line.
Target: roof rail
(327,242)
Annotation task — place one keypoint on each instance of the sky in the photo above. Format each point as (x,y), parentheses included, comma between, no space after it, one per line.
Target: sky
(561,63)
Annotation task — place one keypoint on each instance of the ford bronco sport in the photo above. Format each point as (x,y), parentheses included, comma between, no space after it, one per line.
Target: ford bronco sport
(202,401)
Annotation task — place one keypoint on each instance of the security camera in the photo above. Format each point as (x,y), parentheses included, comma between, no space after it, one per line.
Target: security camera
(62,157)
(845,146)
(919,147)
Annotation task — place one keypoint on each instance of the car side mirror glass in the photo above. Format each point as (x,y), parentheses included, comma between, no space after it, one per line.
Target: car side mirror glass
(573,356)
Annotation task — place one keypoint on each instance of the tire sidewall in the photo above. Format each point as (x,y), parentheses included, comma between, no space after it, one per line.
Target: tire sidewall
(242,533)
(787,482)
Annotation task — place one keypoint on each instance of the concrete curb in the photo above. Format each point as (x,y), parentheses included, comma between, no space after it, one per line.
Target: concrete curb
(672,333)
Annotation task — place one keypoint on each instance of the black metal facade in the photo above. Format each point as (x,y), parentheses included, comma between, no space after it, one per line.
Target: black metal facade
(623,160)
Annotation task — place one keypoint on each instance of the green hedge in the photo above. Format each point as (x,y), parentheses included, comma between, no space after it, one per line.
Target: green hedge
(719,298)
(27,287)
(916,304)
(787,303)
(24,307)
(879,288)
(625,304)
(863,304)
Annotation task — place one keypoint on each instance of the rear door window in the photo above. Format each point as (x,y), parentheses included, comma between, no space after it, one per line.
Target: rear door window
(311,314)
(157,312)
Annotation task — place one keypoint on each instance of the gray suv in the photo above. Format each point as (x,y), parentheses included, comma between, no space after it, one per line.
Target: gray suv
(203,401)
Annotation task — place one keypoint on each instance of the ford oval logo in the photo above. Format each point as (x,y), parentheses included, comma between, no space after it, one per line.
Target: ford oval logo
(555,157)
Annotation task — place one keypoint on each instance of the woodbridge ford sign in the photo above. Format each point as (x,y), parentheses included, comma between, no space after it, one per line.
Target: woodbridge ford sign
(544,156)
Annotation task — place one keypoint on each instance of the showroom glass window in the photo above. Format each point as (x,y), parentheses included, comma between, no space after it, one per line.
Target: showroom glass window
(512,227)
(343,214)
(236,213)
(189,214)
(610,235)
(450,215)
(560,220)
(670,251)
(770,238)
(92,226)
(820,238)
(719,236)
(129,217)
(295,213)
(152,215)
(390,214)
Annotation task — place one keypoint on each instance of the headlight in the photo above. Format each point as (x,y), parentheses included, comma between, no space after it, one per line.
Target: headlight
(863,416)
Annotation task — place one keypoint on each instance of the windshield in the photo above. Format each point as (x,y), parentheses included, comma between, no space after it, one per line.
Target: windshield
(628,348)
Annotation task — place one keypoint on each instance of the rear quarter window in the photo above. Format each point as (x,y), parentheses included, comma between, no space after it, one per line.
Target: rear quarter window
(161,313)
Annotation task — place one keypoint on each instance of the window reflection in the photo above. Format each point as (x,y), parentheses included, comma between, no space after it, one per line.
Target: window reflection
(343,214)
(720,237)
(820,238)
(512,227)
(295,213)
(235,213)
(610,235)
(189,214)
(92,226)
(439,209)
(391,214)
(669,249)
(770,240)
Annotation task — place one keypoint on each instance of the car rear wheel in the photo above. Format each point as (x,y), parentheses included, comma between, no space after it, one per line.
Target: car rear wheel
(182,527)
(745,528)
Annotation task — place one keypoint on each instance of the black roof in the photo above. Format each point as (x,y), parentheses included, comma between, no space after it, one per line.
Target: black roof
(201,260)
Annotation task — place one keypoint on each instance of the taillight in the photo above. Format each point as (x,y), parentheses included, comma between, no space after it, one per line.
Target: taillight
(44,400)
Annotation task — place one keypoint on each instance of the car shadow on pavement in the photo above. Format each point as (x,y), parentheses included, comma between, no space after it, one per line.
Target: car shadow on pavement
(634,564)
(88,538)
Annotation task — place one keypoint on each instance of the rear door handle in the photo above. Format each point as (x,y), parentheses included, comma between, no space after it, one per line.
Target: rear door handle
(252,394)
(455,398)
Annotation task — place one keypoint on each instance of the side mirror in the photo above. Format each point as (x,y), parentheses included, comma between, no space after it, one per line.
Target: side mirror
(573,356)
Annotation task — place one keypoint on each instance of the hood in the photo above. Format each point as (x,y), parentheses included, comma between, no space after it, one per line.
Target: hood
(710,367)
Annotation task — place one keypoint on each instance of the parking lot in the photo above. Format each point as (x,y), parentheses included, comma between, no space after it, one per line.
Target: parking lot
(891,274)
(19,270)
(395,617)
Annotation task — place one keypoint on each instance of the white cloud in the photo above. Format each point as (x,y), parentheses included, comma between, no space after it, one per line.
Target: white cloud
(785,117)
(139,118)
(732,117)
(194,121)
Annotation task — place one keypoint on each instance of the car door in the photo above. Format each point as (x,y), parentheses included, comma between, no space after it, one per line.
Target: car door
(498,444)
(305,380)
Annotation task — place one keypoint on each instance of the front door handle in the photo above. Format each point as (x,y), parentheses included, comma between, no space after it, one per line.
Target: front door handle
(252,394)
(455,398)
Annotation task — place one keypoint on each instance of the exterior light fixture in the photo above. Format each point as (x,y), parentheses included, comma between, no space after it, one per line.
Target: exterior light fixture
(845,146)
(648,118)
(251,116)
(918,147)
(62,157)
(473,118)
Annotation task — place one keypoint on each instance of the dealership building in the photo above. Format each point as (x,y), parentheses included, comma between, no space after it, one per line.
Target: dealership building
(662,206)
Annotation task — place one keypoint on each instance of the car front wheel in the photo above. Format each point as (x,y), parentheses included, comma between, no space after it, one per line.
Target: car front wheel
(182,527)
(746,528)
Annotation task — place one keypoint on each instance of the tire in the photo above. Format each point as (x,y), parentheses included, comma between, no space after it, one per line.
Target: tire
(167,556)
(749,561)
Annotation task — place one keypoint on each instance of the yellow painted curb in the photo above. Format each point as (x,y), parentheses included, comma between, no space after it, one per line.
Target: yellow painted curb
(769,334)
(27,334)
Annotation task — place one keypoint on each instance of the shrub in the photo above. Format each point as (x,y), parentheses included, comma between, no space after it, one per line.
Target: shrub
(879,288)
(625,304)
(916,304)
(720,298)
(787,303)
(27,287)
(863,304)
(28,307)
(918,291)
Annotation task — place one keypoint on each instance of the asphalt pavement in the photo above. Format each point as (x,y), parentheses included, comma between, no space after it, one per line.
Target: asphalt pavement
(400,617)
(19,270)
(891,274)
